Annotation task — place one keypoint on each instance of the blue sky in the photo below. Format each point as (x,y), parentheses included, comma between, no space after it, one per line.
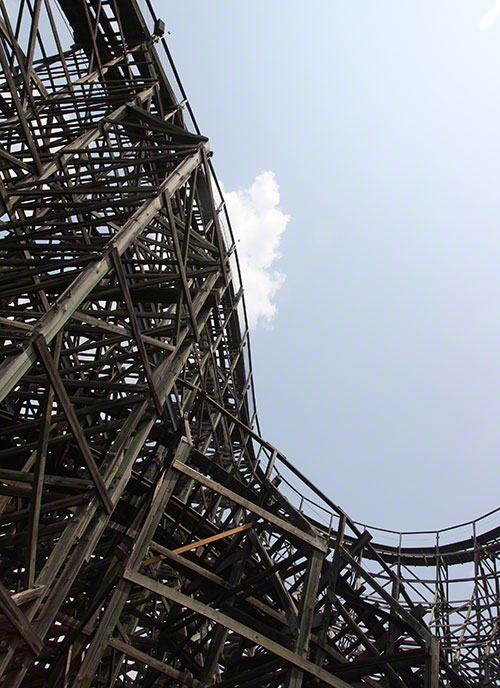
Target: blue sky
(379,373)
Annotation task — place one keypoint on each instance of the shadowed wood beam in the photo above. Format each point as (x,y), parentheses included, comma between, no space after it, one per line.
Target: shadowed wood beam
(19,621)
(235,626)
(154,663)
(200,543)
(69,412)
(280,523)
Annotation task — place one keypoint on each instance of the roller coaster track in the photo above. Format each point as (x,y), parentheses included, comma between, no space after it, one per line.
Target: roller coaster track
(149,536)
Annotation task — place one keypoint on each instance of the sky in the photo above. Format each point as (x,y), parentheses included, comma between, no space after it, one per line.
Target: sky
(359,147)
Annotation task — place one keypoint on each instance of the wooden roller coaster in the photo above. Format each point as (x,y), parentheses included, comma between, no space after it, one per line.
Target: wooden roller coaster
(149,536)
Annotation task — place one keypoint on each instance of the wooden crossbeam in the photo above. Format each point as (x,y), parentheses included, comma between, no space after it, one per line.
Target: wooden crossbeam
(235,626)
(280,523)
(201,543)
(69,412)
(163,668)
(19,621)
(122,280)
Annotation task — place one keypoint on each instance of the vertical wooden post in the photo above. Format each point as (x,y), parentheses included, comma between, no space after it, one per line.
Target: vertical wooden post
(432,665)
(308,603)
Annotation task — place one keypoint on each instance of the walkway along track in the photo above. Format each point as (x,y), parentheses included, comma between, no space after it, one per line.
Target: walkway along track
(148,535)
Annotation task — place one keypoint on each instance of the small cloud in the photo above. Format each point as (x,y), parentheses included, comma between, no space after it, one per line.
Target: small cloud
(258,224)
(490,17)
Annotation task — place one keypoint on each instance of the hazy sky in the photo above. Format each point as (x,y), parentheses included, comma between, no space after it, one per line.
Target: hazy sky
(379,122)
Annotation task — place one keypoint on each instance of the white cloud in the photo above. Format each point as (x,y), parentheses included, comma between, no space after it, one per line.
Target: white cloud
(258,224)
(490,17)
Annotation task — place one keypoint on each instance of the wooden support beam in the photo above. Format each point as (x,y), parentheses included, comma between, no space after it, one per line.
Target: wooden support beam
(27,595)
(371,647)
(280,524)
(362,668)
(32,39)
(11,476)
(30,142)
(181,266)
(284,596)
(72,298)
(307,608)
(420,630)
(201,543)
(68,410)
(235,626)
(39,475)
(432,665)
(163,668)
(122,280)
(119,598)
(19,621)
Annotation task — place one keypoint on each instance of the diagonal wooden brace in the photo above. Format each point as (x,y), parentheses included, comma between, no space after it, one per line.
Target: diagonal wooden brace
(62,396)
(122,280)
(19,621)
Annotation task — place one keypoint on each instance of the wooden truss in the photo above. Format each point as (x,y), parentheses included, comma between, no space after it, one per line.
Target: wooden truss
(148,535)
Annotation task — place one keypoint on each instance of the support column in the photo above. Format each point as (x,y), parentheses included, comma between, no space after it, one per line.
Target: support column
(308,603)
(120,596)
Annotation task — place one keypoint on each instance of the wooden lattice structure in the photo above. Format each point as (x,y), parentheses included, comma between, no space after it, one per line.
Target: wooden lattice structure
(148,535)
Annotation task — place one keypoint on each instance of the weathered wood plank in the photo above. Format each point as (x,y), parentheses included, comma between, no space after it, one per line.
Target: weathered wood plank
(282,525)
(235,626)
